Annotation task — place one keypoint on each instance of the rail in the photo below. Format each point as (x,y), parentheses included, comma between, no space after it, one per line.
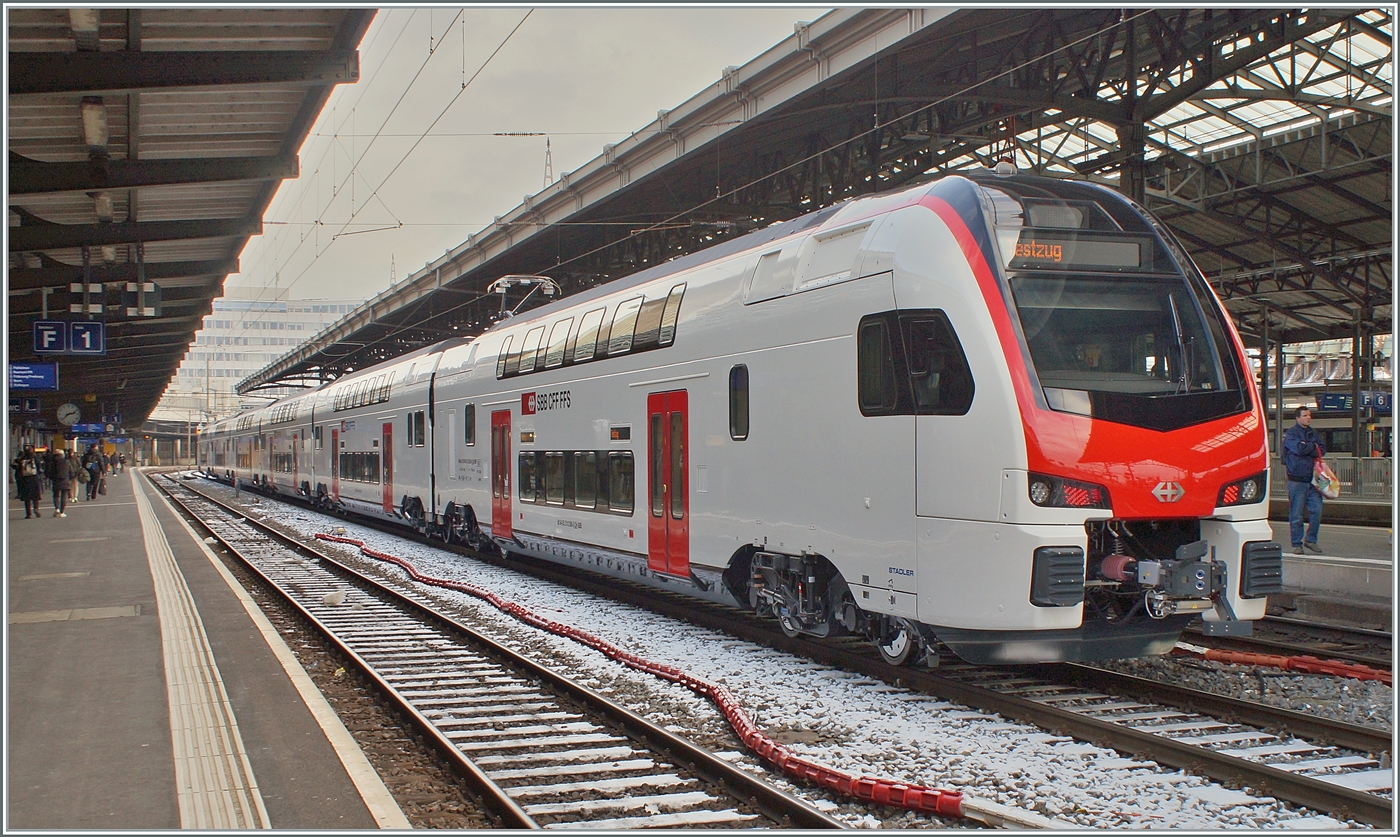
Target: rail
(1367,478)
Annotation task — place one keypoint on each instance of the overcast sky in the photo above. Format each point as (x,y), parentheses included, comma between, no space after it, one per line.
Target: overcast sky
(583,76)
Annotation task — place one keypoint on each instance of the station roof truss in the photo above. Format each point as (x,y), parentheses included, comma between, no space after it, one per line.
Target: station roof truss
(146,144)
(1262,137)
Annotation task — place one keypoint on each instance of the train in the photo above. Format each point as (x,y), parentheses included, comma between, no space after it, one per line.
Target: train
(1001,412)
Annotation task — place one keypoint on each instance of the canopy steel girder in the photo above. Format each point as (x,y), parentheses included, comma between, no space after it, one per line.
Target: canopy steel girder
(32,177)
(61,275)
(1105,91)
(174,303)
(141,55)
(57,236)
(101,72)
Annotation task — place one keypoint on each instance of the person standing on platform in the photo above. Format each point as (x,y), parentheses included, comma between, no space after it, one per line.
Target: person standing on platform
(60,475)
(1302,447)
(74,465)
(27,481)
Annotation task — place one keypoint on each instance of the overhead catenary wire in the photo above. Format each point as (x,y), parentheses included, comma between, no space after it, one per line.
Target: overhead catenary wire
(673,220)
(375,193)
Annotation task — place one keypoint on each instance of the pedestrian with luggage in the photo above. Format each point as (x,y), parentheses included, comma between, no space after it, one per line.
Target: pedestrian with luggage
(1302,447)
(26,469)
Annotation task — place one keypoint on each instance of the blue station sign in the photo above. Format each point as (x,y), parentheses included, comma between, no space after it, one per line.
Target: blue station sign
(34,376)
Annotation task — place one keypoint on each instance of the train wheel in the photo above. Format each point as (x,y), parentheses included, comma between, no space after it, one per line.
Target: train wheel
(898,643)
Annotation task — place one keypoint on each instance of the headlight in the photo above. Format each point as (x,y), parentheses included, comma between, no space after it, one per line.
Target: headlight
(1251,489)
(1063,493)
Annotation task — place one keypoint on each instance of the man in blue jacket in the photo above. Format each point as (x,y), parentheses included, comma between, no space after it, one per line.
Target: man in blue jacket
(1301,448)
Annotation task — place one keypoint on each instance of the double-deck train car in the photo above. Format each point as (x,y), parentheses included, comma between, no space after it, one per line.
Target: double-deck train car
(1001,412)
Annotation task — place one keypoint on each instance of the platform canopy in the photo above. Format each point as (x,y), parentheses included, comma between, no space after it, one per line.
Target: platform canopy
(1263,137)
(144,147)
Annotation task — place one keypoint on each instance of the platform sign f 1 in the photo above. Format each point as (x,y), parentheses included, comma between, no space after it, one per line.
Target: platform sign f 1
(88,337)
(50,336)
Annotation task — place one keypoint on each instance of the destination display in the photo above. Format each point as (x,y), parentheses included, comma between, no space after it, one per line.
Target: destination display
(1033,249)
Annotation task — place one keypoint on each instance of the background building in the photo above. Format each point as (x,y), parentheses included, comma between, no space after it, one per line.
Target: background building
(248,329)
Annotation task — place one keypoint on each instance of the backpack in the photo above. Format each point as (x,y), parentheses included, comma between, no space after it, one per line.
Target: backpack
(83,476)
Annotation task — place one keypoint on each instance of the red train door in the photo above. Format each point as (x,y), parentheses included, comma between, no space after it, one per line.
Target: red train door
(500,474)
(335,464)
(387,455)
(668,521)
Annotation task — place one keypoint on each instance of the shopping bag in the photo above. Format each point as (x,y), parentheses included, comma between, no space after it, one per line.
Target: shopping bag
(83,475)
(1325,481)
(102,486)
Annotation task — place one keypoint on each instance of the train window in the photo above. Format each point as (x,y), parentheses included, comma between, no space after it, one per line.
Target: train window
(558,336)
(670,316)
(623,324)
(385,387)
(677,478)
(911,363)
(530,489)
(879,395)
(417,429)
(940,380)
(739,402)
(587,339)
(554,478)
(649,325)
(658,465)
(585,479)
(469,423)
(530,349)
(620,482)
(501,359)
(316,434)
(360,466)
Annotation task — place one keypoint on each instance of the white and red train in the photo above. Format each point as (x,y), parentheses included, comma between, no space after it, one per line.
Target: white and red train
(1002,412)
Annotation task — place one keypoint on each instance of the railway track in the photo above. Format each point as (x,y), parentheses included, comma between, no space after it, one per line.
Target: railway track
(539,749)
(1225,739)
(1284,637)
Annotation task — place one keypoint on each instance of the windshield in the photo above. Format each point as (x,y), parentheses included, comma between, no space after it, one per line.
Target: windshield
(1114,334)
(1143,350)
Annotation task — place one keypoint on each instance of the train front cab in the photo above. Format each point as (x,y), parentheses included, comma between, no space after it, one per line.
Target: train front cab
(1091,459)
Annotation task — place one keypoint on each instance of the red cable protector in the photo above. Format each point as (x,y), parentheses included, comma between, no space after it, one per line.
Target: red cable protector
(946,803)
(1304,664)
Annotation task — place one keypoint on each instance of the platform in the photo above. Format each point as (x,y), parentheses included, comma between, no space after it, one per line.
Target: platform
(1352,582)
(147,691)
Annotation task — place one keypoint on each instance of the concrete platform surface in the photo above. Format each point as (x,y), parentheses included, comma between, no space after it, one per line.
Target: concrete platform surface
(146,693)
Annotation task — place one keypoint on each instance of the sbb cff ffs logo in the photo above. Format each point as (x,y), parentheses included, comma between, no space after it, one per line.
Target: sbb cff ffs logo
(532,402)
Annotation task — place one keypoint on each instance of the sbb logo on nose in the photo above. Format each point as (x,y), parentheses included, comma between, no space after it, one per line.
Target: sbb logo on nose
(1168,492)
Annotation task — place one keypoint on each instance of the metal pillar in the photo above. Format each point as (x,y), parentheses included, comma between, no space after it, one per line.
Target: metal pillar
(1356,448)
(1278,394)
(1264,366)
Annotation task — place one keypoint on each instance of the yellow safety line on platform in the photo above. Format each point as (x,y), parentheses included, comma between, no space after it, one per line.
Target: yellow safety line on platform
(377,797)
(214,779)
